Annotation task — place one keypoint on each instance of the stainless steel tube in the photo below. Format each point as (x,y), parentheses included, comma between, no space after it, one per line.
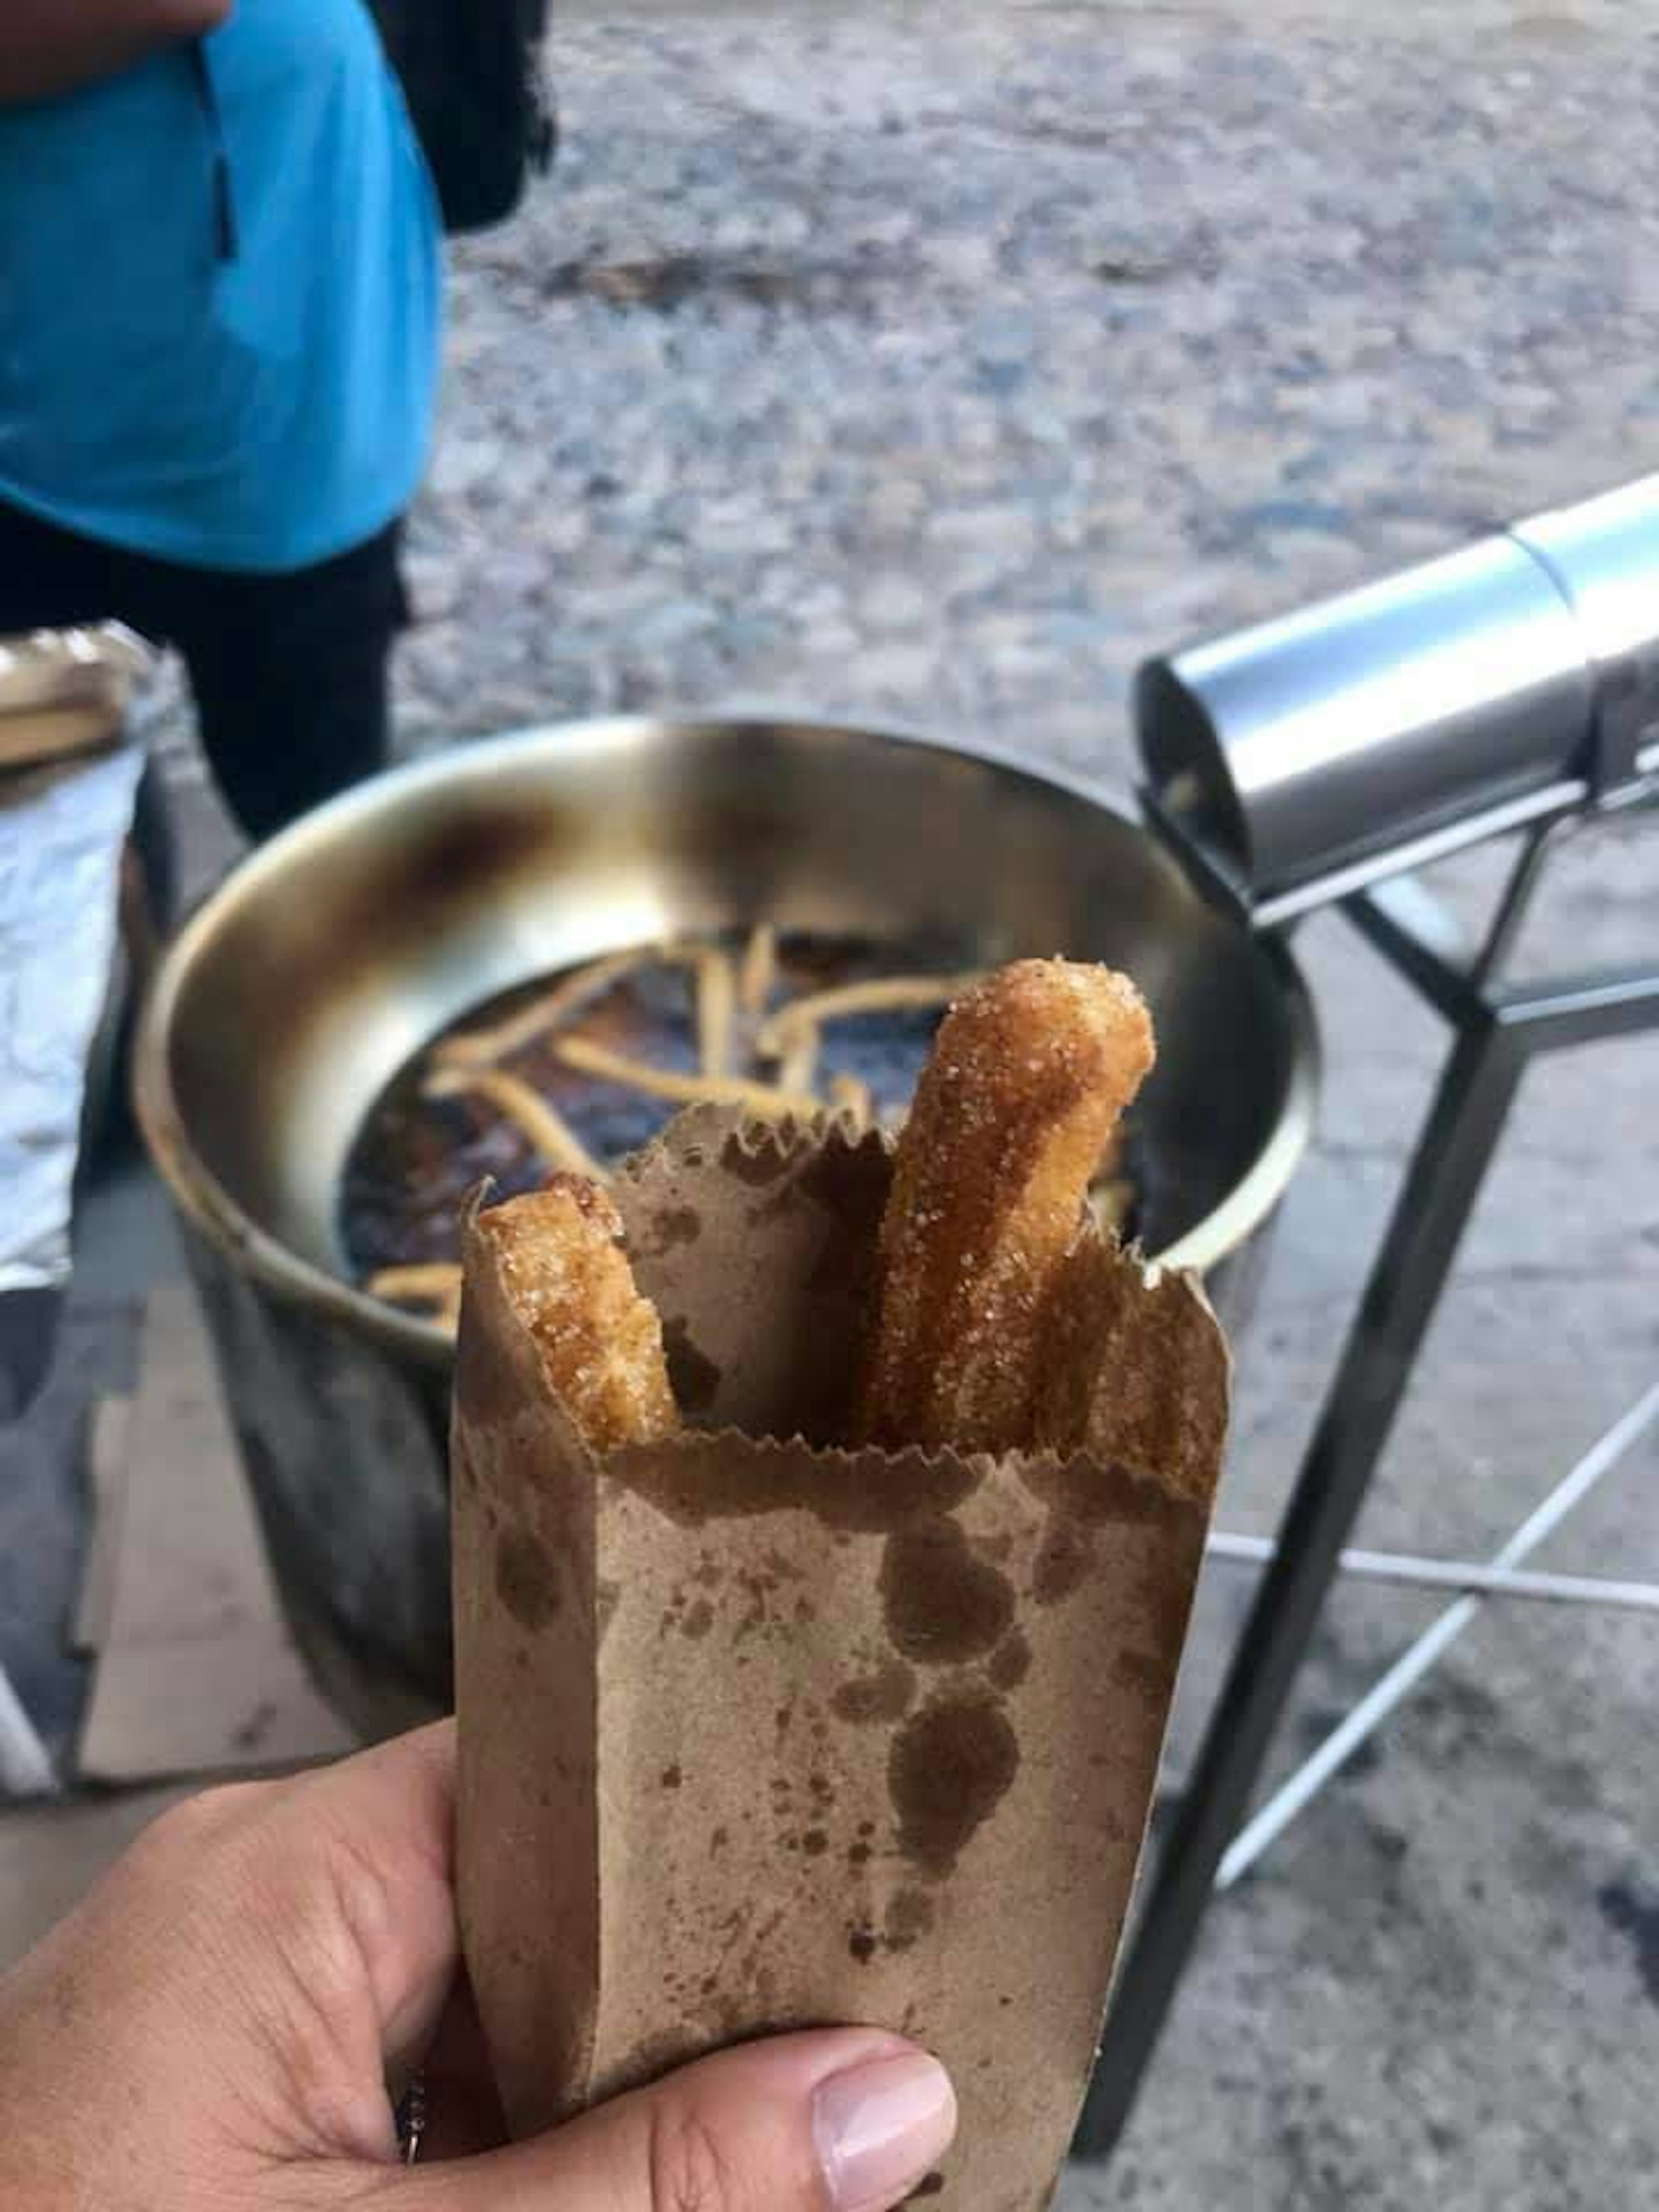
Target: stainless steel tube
(1310,754)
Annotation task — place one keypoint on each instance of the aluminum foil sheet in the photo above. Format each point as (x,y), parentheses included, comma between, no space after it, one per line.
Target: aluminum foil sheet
(63,824)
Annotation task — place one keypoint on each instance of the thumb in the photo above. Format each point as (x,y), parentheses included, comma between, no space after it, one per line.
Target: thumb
(842,2120)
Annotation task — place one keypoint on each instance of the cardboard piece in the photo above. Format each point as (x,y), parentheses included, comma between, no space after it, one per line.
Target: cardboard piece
(63,692)
(759,1734)
(219,1704)
(196,1671)
(108,1439)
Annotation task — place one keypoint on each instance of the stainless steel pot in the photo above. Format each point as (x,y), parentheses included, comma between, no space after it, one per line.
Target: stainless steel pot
(323,963)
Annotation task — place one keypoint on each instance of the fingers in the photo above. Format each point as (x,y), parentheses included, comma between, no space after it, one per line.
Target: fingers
(396,1801)
(308,1926)
(232,1988)
(381,1827)
(845,2120)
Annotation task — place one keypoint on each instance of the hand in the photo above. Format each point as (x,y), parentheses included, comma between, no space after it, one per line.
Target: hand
(214,2026)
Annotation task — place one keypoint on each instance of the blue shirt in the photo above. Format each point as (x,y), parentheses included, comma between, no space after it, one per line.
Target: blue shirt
(259,403)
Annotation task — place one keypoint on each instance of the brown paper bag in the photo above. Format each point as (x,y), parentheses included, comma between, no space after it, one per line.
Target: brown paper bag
(761,1735)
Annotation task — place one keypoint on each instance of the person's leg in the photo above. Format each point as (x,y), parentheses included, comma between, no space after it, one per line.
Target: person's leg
(289,674)
(51,578)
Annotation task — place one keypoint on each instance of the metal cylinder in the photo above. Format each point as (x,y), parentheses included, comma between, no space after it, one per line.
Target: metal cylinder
(1604,557)
(1307,756)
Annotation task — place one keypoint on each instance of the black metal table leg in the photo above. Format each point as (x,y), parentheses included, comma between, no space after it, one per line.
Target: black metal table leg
(1442,1185)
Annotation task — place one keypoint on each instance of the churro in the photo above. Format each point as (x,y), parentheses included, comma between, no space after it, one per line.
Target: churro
(799,1068)
(757,969)
(716,1009)
(498,1041)
(1028,1075)
(754,1047)
(876,994)
(543,1127)
(770,1102)
(435,1285)
(568,1281)
(848,1095)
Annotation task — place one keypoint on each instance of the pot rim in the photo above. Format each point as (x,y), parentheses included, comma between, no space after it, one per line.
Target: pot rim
(211,1208)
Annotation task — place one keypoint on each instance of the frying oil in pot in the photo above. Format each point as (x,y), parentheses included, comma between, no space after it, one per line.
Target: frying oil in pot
(418,1155)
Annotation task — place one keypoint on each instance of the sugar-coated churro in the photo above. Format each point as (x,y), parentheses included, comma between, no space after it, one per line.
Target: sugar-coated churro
(545,1128)
(1028,1075)
(568,1281)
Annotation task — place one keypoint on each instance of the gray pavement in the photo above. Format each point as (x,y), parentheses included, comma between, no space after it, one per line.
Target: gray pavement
(895,363)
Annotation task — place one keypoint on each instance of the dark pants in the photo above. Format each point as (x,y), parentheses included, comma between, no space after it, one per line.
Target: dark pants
(289,672)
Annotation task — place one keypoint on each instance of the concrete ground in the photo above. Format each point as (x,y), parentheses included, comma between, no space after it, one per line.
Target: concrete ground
(899,364)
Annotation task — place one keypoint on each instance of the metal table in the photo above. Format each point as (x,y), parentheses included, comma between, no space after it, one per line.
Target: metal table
(1497,1030)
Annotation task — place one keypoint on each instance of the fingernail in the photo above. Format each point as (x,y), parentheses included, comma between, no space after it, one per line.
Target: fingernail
(878,2127)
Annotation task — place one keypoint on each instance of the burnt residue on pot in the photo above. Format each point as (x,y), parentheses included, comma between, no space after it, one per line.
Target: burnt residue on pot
(453,861)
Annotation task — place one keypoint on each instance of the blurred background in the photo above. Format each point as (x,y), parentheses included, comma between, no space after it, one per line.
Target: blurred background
(934,367)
